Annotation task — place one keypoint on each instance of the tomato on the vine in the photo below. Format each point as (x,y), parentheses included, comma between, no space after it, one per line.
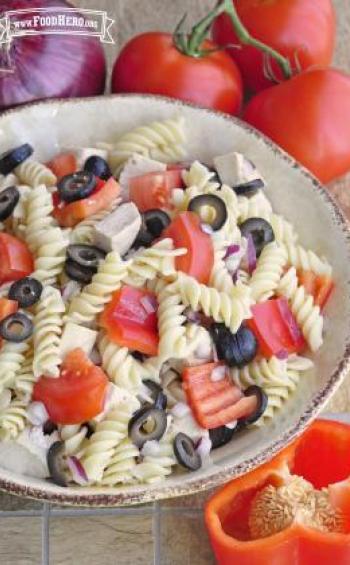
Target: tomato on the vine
(309,117)
(153,63)
(295,28)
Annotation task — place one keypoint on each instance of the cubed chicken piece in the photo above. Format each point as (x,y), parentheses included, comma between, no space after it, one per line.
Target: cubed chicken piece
(75,336)
(235,169)
(118,230)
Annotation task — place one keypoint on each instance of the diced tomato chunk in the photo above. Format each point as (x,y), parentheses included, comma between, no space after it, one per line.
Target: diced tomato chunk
(153,190)
(68,215)
(308,280)
(77,395)
(319,286)
(7,307)
(130,320)
(275,328)
(16,260)
(63,164)
(185,231)
(214,403)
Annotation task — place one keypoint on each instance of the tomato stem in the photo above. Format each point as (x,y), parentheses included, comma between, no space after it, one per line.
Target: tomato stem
(190,44)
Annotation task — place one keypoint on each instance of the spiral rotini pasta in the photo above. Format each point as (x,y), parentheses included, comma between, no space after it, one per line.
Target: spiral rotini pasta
(155,468)
(13,420)
(48,323)
(277,395)
(231,309)
(34,173)
(121,466)
(258,206)
(156,260)
(305,259)
(284,231)
(162,141)
(201,177)
(267,275)
(8,180)
(308,316)
(12,356)
(25,378)
(102,444)
(171,319)
(90,302)
(220,278)
(74,437)
(45,239)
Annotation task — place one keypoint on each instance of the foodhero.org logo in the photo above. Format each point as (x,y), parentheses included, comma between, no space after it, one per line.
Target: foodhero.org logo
(59,21)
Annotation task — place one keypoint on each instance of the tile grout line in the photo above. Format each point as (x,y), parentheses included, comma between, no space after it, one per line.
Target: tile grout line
(156,527)
(45,535)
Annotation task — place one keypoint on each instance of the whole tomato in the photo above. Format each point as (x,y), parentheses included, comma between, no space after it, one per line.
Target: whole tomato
(305,28)
(151,63)
(309,117)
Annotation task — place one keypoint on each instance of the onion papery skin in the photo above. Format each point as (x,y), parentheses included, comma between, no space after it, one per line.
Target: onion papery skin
(50,66)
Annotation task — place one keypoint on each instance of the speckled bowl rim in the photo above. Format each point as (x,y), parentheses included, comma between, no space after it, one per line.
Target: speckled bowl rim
(193,486)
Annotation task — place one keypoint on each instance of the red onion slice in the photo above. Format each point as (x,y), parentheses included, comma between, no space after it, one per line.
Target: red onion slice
(232,250)
(218,374)
(180,410)
(37,413)
(251,254)
(79,475)
(149,304)
(282,355)
(206,228)
(192,316)
(204,447)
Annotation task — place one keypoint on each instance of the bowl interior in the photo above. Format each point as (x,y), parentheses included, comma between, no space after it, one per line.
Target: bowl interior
(293,192)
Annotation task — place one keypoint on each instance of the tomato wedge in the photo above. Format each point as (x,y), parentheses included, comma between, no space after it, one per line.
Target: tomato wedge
(16,260)
(7,307)
(153,190)
(68,215)
(275,328)
(130,320)
(63,164)
(77,395)
(319,286)
(185,231)
(214,403)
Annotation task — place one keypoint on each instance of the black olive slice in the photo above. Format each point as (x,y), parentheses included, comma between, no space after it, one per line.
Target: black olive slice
(49,427)
(98,166)
(16,327)
(262,401)
(78,273)
(156,221)
(237,350)
(210,208)
(249,188)
(26,291)
(11,159)
(56,462)
(147,424)
(76,186)
(221,436)
(87,256)
(261,232)
(9,199)
(185,452)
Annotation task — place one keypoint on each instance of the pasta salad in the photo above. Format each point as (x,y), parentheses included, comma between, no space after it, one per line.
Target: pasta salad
(150,308)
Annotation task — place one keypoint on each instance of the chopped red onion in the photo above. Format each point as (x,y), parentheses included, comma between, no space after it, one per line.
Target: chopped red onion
(282,355)
(149,304)
(251,254)
(218,373)
(180,410)
(79,475)
(232,250)
(204,447)
(206,228)
(192,316)
(95,357)
(231,425)
(37,413)
(70,290)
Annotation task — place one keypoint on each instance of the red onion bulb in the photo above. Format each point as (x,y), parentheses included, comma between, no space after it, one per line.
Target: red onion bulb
(50,66)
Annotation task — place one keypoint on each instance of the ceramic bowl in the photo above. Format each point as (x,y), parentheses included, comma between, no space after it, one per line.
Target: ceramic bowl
(293,192)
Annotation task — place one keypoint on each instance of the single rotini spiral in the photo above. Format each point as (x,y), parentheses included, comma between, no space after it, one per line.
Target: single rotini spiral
(307,260)
(220,278)
(171,320)
(34,173)
(277,395)
(308,316)
(154,468)
(8,180)
(263,372)
(200,176)
(267,275)
(48,323)
(284,231)
(12,356)
(231,309)
(101,445)
(258,206)
(13,420)
(120,366)
(84,231)
(121,466)
(74,437)
(91,301)
(25,378)
(162,141)
(16,224)
(44,237)
(158,260)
